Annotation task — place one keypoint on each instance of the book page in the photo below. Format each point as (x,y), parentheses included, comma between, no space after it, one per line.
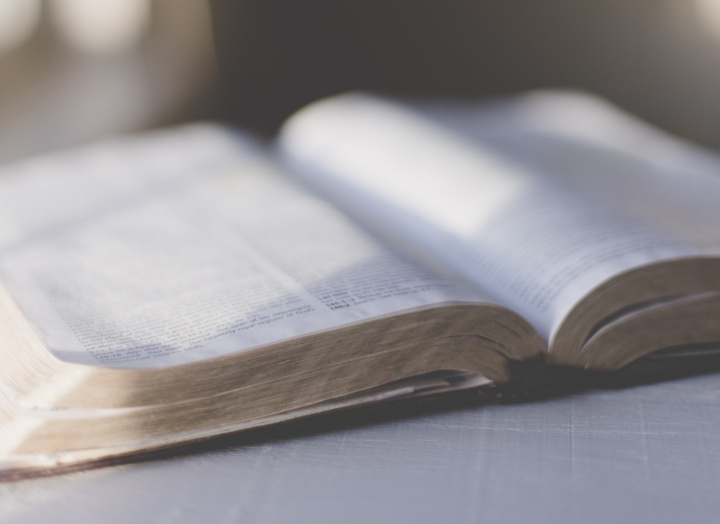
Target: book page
(536,243)
(222,254)
(584,143)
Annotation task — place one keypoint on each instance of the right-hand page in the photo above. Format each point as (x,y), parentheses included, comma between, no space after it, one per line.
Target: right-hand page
(598,229)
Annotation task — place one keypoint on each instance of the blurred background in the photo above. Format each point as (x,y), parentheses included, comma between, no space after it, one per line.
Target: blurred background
(74,70)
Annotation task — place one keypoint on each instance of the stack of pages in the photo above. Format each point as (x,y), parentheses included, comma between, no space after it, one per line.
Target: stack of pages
(165,288)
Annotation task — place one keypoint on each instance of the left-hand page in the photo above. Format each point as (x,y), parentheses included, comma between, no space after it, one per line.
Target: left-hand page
(177,246)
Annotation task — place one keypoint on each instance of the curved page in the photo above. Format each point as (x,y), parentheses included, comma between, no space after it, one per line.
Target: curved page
(534,241)
(185,245)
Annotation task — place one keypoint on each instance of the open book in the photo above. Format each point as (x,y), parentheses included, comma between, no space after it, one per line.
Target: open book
(173,286)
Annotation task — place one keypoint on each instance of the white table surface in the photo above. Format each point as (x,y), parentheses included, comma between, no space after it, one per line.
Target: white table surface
(645,454)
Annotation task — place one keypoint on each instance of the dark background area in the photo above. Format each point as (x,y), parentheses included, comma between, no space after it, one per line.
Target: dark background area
(254,62)
(657,58)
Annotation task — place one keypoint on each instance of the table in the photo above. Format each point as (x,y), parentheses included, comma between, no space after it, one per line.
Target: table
(648,453)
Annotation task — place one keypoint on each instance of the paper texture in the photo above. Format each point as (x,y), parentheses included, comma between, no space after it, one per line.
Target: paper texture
(225,255)
(536,244)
